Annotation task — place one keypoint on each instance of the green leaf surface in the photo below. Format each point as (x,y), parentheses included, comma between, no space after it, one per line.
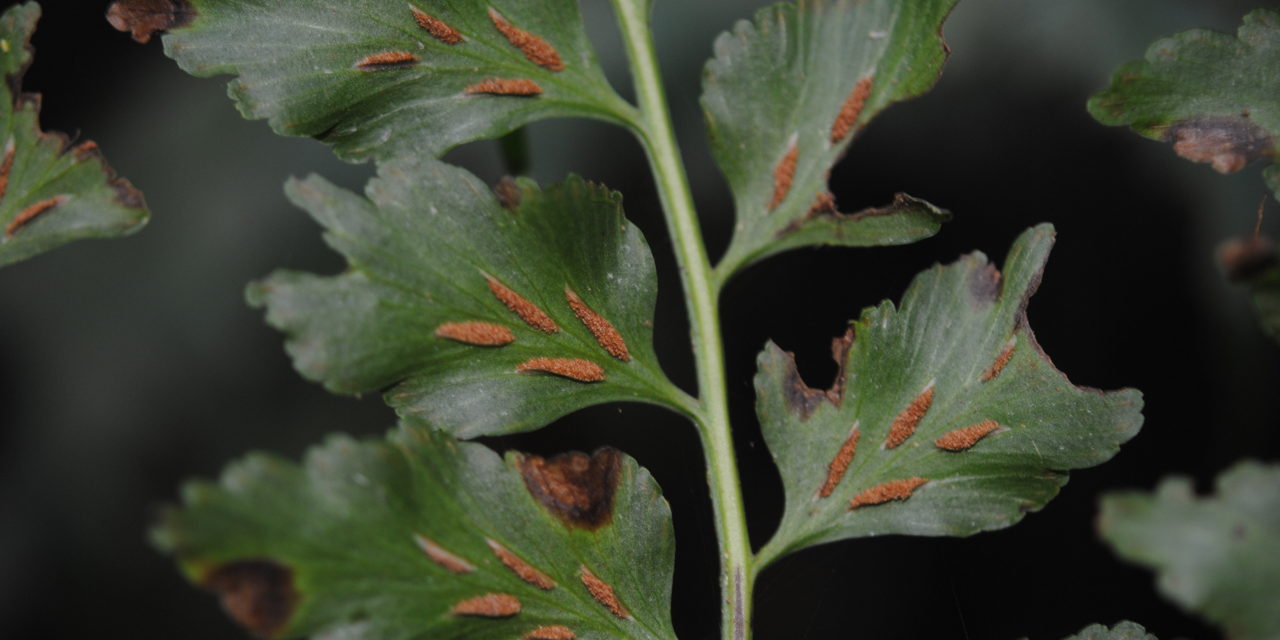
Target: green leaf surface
(432,249)
(946,418)
(1214,555)
(1122,631)
(1215,96)
(377,79)
(397,539)
(50,191)
(786,94)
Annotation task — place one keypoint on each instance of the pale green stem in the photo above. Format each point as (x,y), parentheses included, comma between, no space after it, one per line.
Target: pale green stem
(656,135)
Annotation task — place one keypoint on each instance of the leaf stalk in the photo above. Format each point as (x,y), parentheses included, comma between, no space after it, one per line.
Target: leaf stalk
(658,139)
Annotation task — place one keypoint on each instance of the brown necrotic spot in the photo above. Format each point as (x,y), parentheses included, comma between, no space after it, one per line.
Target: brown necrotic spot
(605,334)
(905,424)
(1227,142)
(489,605)
(840,464)
(436,27)
(508,193)
(28,214)
(602,592)
(850,110)
(965,437)
(1001,360)
(532,315)
(823,204)
(387,60)
(886,492)
(505,87)
(518,566)
(6,166)
(783,173)
(550,632)
(442,557)
(572,368)
(259,594)
(143,18)
(575,487)
(804,399)
(84,149)
(537,50)
(482,334)
(1246,258)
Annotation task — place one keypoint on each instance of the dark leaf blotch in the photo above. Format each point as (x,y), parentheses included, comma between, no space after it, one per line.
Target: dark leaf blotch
(259,594)
(575,487)
(143,18)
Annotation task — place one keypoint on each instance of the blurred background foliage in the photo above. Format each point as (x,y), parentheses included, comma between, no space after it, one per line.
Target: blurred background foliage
(128,365)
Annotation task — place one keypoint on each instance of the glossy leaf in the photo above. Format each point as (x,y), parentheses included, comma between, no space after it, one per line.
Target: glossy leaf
(421,536)
(440,306)
(51,192)
(1122,631)
(786,94)
(386,78)
(1215,96)
(1214,555)
(946,418)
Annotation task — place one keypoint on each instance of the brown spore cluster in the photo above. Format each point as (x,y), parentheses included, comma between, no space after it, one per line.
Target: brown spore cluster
(439,555)
(850,110)
(532,314)
(505,87)
(965,437)
(605,334)
(522,569)
(602,593)
(905,424)
(386,60)
(840,464)
(489,605)
(6,166)
(783,174)
(436,27)
(476,333)
(537,50)
(998,365)
(550,632)
(28,214)
(572,368)
(887,492)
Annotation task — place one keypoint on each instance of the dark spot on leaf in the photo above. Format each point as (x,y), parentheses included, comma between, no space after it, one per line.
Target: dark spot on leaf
(800,397)
(143,18)
(575,487)
(840,353)
(259,594)
(126,194)
(508,193)
(1244,258)
(1227,142)
(984,284)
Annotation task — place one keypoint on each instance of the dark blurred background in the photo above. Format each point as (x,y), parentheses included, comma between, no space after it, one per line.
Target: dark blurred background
(129,365)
